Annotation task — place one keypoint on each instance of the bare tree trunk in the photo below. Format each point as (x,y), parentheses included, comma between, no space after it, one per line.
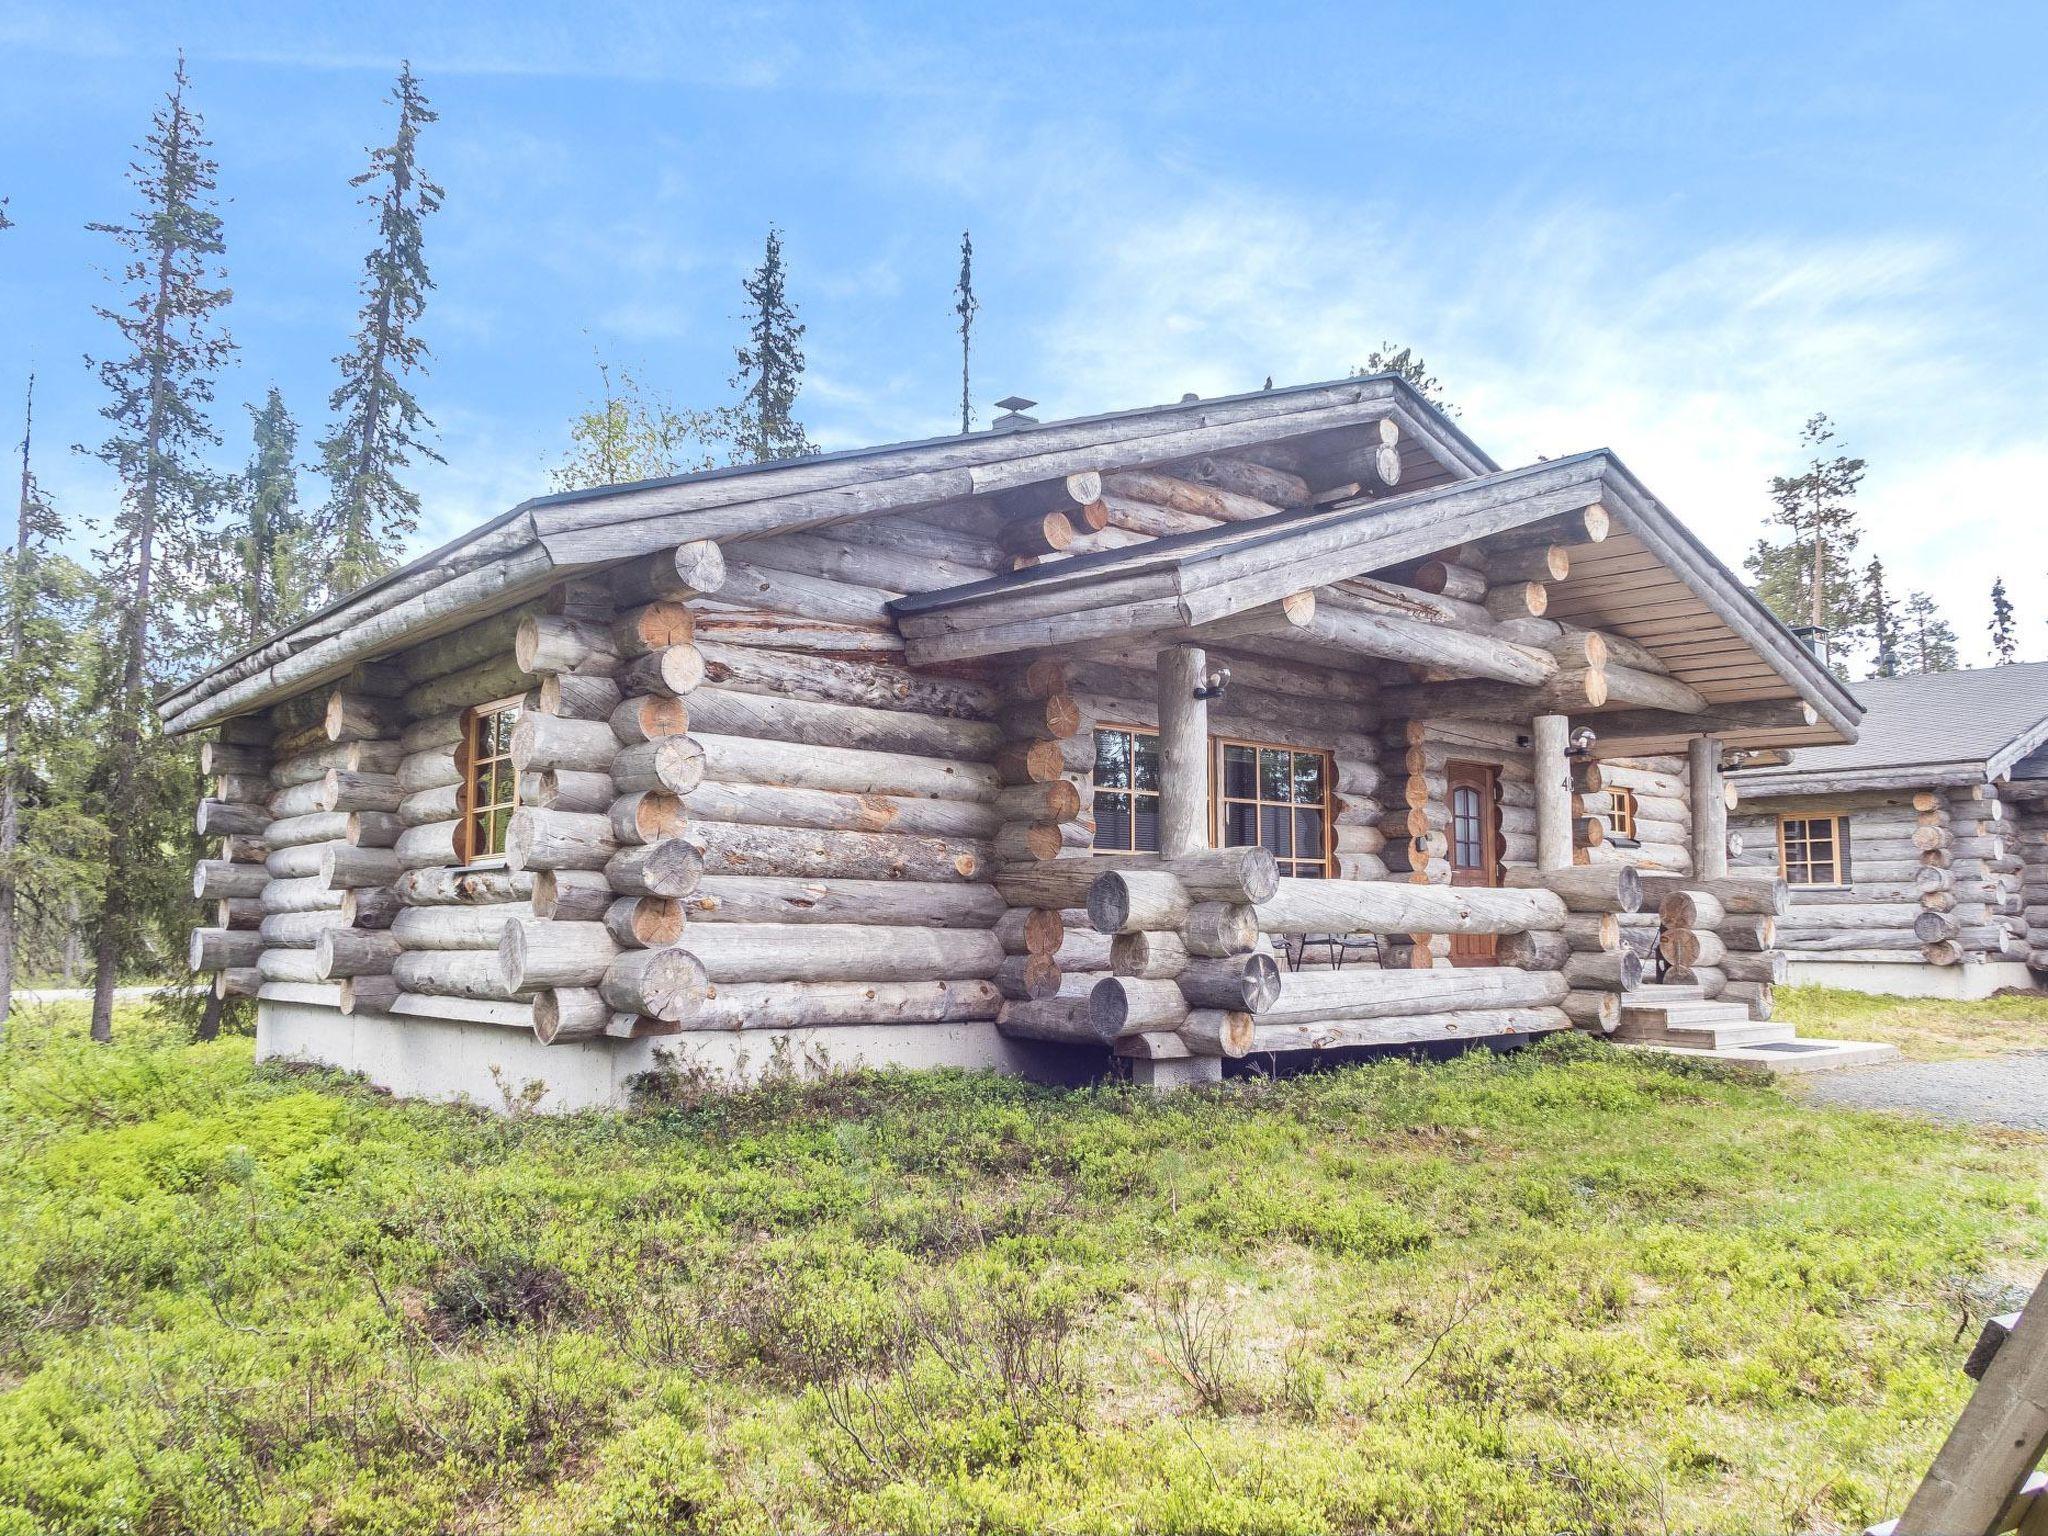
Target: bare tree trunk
(71,944)
(209,1020)
(10,809)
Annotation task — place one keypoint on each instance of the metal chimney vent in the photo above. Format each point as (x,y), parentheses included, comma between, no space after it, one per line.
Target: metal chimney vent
(1013,408)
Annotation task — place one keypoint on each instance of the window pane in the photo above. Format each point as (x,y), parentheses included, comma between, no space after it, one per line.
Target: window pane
(1308,834)
(1112,759)
(1146,818)
(1308,778)
(1275,769)
(1276,830)
(1240,780)
(1842,873)
(503,783)
(1145,762)
(1240,825)
(1112,821)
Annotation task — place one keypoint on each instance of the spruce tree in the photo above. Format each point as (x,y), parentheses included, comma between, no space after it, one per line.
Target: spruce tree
(965,304)
(161,387)
(272,582)
(1407,364)
(1884,621)
(1930,640)
(1807,578)
(378,423)
(2004,643)
(771,365)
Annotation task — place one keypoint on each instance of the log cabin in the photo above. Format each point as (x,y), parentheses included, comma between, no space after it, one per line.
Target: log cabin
(1073,744)
(1918,855)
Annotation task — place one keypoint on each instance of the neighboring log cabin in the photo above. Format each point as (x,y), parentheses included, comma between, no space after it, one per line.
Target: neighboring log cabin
(1037,748)
(1918,855)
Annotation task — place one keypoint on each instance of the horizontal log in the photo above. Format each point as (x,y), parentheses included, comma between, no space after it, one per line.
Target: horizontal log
(1620,971)
(727,712)
(222,879)
(784,899)
(224,818)
(559,643)
(667,984)
(452,973)
(220,949)
(299,930)
(670,868)
(743,760)
(289,965)
(428,846)
(823,1004)
(1691,948)
(1472,1024)
(731,848)
(458,927)
(831,810)
(1348,906)
(494,677)
(579,695)
(537,955)
(570,789)
(544,742)
(1358,993)
(1747,896)
(1597,1011)
(574,895)
(746,952)
(1692,909)
(674,671)
(344,952)
(537,839)
(827,680)
(1067,1019)
(693,569)
(1584,888)
(562,1014)
(308,893)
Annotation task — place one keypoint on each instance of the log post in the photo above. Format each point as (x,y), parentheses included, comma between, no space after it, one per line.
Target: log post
(1183,751)
(1709,808)
(1549,734)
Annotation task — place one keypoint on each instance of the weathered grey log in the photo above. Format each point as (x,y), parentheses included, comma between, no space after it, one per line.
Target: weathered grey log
(674,764)
(1028,976)
(313,827)
(1931,927)
(1584,888)
(1129,1005)
(727,712)
(1691,948)
(674,672)
(1739,895)
(884,553)
(224,818)
(372,829)
(745,952)
(452,973)
(1768,966)
(370,906)
(644,922)
(367,994)
(538,955)
(453,887)
(1247,983)
(457,927)
(307,893)
(299,799)
(433,769)
(579,695)
(695,569)
(494,677)
(543,742)
(1276,487)
(342,790)
(1543,951)
(806,1005)
(570,895)
(558,643)
(354,756)
(1348,906)
(1472,1024)
(538,839)
(222,879)
(1599,1011)
(826,680)
(570,789)
(652,627)
(731,848)
(784,899)
(1066,1019)
(829,810)
(1597,932)
(424,847)
(217,757)
(1357,992)
(1214,928)
(426,806)
(288,965)
(350,952)
(671,868)
(296,862)
(1620,971)
(562,1014)
(667,984)
(220,949)
(736,759)
(646,816)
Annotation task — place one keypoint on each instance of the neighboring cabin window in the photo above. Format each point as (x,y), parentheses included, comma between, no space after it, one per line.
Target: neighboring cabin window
(490,786)
(1621,819)
(1278,797)
(1814,850)
(1126,791)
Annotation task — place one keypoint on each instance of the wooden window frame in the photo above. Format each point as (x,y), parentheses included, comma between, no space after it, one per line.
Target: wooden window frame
(1131,790)
(1840,865)
(1218,800)
(1621,817)
(466,853)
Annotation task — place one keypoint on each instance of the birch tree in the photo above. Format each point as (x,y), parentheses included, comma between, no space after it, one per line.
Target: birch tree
(378,424)
(160,388)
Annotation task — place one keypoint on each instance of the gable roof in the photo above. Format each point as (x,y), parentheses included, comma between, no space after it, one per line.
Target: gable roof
(1932,728)
(1734,650)
(517,555)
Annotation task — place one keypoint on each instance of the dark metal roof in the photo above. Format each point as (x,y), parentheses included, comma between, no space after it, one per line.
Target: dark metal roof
(1989,715)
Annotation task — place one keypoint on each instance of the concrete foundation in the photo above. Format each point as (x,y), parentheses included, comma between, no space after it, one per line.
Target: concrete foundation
(501,1069)
(1910,978)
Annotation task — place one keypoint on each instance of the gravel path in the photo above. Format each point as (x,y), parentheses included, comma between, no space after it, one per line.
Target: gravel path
(2009,1090)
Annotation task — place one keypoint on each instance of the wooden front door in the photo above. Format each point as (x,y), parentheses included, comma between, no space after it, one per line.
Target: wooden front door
(1475,825)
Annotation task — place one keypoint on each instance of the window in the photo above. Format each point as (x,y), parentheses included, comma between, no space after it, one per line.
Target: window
(1126,791)
(490,787)
(1468,828)
(1621,818)
(1814,850)
(1278,797)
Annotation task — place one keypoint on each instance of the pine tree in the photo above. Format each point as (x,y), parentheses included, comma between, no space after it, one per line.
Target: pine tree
(965,305)
(1883,609)
(1404,363)
(771,365)
(1807,579)
(379,424)
(1930,640)
(162,387)
(2004,643)
(633,433)
(272,583)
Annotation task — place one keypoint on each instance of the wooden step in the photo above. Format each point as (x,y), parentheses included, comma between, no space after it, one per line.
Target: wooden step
(1720,1036)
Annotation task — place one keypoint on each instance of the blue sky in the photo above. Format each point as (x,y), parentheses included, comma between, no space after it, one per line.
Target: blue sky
(1671,231)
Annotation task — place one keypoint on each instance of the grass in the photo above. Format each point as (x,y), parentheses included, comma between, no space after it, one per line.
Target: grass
(1923,1028)
(1570,1289)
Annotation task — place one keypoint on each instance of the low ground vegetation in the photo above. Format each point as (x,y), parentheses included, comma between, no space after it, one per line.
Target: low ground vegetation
(1569,1289)
(1923,1028)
